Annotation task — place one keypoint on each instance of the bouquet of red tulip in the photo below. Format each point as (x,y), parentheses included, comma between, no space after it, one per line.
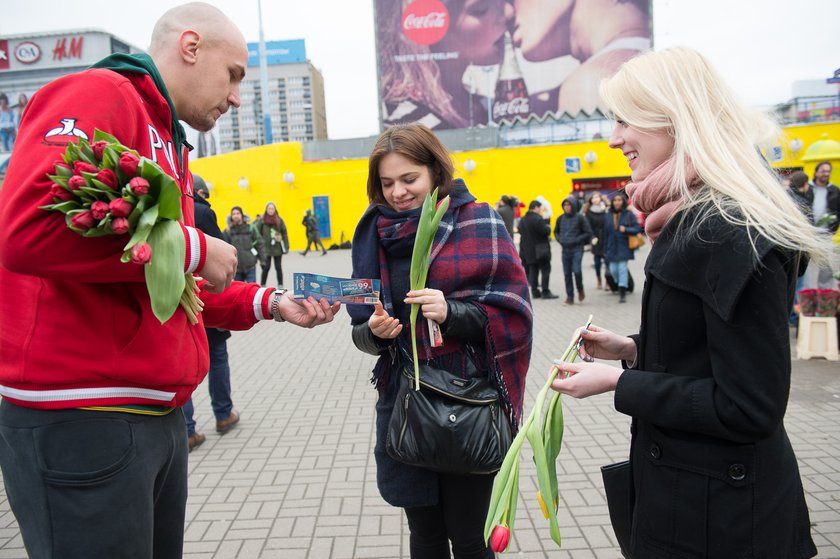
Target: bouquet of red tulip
(105,188)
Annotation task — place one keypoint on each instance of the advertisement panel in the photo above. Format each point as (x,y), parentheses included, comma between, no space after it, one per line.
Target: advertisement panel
(278,52)
(55,51)
(464,63)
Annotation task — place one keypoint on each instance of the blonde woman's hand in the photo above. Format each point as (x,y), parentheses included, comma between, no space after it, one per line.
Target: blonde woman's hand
(382,325)
(599,343)
(432,303)
(581,380)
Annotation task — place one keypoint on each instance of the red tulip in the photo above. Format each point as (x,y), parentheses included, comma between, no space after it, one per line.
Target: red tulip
(500,538)
(99,209)
(84,167)
(129,163)
(76,182)
(141,253)
(108,178)
(98,148)
(57,191)
(139,186)
(121,207)
(119,226)
(83,221)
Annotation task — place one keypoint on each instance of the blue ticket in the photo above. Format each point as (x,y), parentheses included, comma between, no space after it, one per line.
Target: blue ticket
(342,290)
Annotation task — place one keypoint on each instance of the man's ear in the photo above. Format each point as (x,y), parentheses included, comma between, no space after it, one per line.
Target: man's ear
(188,45)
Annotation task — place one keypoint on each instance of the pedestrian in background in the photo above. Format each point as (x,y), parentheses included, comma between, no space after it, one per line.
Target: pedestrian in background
(573,232)
(275,238)
(218,377)
(535,250)
(712,472)
(8,124)
(594,209)
(619,223)
(248,243)
(313,236)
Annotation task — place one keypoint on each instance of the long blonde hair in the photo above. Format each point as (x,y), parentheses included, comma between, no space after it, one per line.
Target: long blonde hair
(678,90)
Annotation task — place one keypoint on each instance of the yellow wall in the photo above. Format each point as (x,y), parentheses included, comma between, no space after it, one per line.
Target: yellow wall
(525,172)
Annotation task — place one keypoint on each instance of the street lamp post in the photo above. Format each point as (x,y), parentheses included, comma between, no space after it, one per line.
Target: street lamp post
(267,136)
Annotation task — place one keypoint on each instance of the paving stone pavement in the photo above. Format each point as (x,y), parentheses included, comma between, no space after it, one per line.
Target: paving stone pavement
(296,479)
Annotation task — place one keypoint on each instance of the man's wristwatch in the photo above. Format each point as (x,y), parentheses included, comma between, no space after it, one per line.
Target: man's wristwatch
(274,305)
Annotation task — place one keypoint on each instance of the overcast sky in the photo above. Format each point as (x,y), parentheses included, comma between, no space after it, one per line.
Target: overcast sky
(760,46)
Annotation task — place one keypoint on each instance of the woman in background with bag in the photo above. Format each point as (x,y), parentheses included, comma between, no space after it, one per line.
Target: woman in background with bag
(275,236)
(711,472)
(476,294)
(619,224)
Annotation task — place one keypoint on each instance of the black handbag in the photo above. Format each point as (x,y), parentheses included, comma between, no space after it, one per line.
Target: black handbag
(618,485)
(451,424)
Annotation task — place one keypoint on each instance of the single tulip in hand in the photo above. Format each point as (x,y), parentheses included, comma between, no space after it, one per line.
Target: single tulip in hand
(426,229)
(546,440)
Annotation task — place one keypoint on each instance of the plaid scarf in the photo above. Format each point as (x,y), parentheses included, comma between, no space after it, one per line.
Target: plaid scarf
(473,259)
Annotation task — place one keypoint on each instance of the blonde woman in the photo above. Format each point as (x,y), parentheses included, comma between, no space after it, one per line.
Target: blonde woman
(706,381)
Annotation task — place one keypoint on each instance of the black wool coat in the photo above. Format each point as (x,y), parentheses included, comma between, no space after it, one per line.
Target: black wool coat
(533,231)
(714,474)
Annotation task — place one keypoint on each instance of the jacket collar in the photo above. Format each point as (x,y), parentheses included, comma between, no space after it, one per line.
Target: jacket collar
(714,264)
(142,63)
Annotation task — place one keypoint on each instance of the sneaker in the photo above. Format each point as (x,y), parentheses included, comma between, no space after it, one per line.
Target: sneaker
(549,295)
(581,295)
(195,440)
(226,425)
(536,295)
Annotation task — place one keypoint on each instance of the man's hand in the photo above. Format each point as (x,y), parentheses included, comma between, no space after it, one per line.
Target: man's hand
(220,265)
(308,312)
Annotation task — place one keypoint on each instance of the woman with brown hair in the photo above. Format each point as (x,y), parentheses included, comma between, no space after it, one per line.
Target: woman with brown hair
(476,293)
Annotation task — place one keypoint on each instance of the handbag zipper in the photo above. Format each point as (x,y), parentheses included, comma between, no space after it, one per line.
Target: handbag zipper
(454,397)
(405,421)
(496,427)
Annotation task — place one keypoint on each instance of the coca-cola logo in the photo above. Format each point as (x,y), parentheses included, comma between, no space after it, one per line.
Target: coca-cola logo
(425,22)
(518,106)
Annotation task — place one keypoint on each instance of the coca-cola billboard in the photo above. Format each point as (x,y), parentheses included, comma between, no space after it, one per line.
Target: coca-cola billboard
(458,64)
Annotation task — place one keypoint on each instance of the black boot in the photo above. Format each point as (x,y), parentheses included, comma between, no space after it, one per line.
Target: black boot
(622,294)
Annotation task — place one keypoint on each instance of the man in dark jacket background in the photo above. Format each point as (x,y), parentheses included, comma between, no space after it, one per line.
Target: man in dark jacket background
(218,378)
(535,250)
(573,232)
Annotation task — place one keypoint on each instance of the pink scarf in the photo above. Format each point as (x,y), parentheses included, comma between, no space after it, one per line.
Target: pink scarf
(653,197)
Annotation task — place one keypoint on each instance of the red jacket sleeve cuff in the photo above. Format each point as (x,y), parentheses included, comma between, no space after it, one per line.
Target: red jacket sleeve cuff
(196,253)
(262,303)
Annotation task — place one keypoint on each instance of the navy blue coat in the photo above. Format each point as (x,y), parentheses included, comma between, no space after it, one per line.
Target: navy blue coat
(614,241)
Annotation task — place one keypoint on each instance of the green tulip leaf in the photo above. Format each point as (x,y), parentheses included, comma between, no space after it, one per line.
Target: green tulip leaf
(165,272)
(144,227)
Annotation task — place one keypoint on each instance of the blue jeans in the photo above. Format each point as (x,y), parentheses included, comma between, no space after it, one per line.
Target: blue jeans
(95,483)
(7,137)
(218,382)
(250,276)
(572,266)
(618,270)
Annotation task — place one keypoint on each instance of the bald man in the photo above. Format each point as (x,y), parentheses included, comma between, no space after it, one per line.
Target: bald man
(93,448)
